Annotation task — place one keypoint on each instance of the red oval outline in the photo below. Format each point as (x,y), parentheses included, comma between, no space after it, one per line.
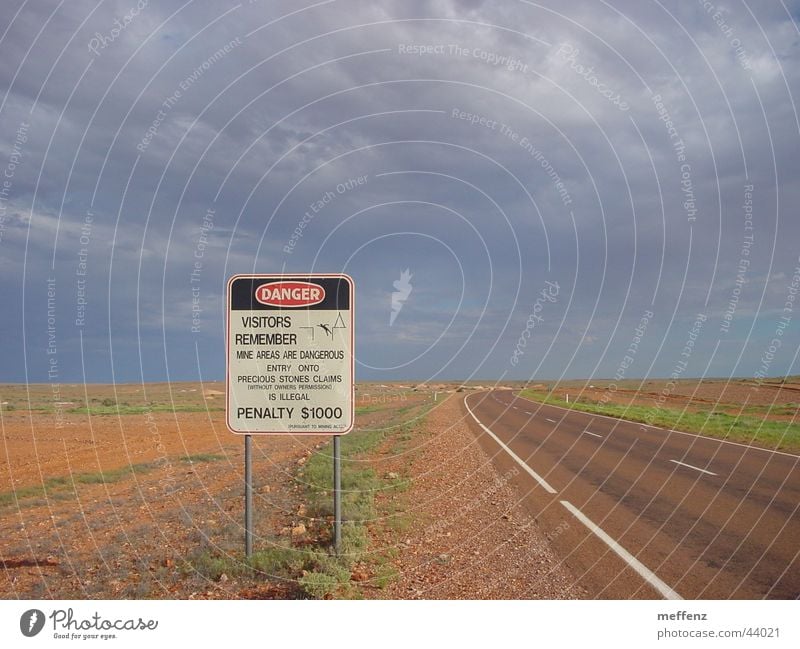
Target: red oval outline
(292,283)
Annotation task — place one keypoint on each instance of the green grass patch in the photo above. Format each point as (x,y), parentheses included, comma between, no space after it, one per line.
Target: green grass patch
(384,575)
(363,410)
(201,457)
(778,409)
(358,489)
(399,522)
(283,561)
(213,565)
(317,570)
(318,573)
(416,409)
(722,425)
(360,484)
(21,494)
(114,475)
(319,584)
(279,560)
(62,486)
(103,410)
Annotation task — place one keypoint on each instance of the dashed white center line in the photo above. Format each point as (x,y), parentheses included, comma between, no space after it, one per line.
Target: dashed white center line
(588,432)
(689,466)
(552,421)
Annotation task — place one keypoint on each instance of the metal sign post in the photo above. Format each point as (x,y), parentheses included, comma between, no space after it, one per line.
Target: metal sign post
(290,366)
(337,494)
(248,496)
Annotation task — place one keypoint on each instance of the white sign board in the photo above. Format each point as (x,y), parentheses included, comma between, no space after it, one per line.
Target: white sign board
(290,354)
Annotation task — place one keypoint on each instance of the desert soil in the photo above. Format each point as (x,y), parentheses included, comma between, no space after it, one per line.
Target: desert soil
(111,505)
(773,398)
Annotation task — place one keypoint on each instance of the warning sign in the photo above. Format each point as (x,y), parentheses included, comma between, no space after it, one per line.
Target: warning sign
(290,354)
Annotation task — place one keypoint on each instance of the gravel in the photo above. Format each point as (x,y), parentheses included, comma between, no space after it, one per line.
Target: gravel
(468,538)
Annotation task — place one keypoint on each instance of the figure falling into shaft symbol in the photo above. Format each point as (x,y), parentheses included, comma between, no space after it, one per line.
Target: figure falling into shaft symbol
(326,329)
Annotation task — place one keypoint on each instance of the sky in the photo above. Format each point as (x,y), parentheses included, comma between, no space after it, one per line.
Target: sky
(560,190)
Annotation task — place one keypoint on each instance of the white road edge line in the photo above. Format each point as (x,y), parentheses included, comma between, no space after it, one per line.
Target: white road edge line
(643,571)
(514,456)
(666,430)
(693,467)
(588,432)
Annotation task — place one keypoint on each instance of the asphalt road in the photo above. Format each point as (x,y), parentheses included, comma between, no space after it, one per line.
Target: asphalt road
(642,512)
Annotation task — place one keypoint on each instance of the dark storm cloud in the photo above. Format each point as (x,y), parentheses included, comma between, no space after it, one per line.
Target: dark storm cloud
(500,146)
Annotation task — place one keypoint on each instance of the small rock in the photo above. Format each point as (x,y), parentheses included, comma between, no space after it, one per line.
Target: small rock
(301,510)
(359,574)
(392,475)
(223,577)
(299,530)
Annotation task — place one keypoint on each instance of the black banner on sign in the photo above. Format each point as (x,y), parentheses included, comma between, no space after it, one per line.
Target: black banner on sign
(243,293)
